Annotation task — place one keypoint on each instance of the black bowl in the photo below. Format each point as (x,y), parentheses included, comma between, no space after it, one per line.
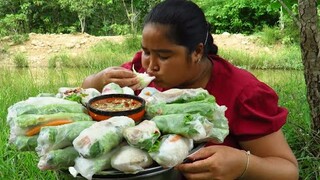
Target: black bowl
(135,113)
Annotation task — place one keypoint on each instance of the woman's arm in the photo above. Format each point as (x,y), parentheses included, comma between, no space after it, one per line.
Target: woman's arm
(121,76)
(271,158)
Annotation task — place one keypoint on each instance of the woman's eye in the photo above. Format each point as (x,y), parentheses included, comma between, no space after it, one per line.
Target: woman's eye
(163,57)
(146,53)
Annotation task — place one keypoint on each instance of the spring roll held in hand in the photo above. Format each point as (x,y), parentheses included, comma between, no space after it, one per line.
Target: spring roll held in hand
(102,136)
(143,135)
(119,75)
(171,150)
(56,137)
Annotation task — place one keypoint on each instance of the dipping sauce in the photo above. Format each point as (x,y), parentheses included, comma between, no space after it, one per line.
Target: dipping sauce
(116,104)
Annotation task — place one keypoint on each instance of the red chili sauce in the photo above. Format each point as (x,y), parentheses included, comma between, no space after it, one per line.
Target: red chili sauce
(116,104)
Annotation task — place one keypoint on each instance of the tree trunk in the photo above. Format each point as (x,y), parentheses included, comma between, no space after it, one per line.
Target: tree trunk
(309,42)
(82,23)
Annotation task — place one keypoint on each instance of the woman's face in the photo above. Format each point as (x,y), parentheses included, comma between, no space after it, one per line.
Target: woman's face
(165,60)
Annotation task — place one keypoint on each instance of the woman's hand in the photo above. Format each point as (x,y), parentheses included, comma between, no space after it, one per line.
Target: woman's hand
(121,76)
(215,162)
(271,158)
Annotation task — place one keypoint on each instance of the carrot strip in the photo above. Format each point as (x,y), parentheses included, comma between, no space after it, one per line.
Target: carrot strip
(35,130)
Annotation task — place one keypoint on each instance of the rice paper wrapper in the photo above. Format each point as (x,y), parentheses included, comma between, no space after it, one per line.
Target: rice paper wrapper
(178,96)
(144,78)
(113,88)
(204,108)
(29,120)
(171,150)
(58,159)
(24,143)
(56,137)
(43,105)
(192,126)
(23,123)
(131,160)
(143,135)
(77,94)
(87,167)
(102,136)
(147,93)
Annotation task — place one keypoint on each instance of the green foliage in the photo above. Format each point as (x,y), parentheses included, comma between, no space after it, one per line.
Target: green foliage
(239,16)
(288,36)
(19,38)
(20,60)
(270,35)
(83,9)
(109,17)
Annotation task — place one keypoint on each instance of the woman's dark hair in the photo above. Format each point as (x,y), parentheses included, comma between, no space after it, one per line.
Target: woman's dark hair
(187,24)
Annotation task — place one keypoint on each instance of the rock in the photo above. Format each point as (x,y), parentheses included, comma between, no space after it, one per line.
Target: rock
(70,45)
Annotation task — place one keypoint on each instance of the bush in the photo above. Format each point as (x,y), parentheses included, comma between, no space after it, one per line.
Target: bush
(20,60)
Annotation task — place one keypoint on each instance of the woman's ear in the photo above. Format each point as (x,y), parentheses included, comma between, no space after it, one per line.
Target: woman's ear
(198,53)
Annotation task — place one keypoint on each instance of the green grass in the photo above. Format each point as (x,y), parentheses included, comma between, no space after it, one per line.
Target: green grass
(279,57)
(19,84)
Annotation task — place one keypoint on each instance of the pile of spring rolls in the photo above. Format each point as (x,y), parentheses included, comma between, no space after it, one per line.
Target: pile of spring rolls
(175,120)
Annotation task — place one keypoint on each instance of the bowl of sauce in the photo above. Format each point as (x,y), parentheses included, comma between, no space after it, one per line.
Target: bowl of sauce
(105,106)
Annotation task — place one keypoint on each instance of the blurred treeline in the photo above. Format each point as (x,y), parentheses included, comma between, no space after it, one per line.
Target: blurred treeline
(118,17)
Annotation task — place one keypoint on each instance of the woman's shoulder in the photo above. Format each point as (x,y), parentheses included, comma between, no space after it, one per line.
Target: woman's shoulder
(134,63)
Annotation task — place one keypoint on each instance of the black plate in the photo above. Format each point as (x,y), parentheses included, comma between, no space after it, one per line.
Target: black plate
(151,171)
(119,174)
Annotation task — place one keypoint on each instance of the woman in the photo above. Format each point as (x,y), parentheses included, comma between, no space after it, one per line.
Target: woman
(178,49)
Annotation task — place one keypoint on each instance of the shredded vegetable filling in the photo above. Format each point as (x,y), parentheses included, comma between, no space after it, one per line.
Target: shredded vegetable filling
(116,104)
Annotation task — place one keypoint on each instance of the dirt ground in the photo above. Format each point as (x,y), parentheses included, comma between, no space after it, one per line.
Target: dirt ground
(40,47)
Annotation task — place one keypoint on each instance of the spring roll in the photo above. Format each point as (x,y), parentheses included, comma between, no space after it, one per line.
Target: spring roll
(112,88)
(102,136)
(204,108)
(56,137)
(143,135)
(87,167)
(25,143)
(31,124)
(58,159)
(192,126)
(43,105)
(130,160)
(179,96)
(77,94)
(144,78)
(171,150)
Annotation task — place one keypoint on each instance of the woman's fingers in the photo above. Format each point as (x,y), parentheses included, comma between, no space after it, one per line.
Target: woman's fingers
(118,72)
(121,76)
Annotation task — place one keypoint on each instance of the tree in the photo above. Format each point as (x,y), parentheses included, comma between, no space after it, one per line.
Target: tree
(83,8)
(310,46)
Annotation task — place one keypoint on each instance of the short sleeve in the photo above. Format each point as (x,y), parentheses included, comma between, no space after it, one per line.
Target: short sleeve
(258,112)
(136,62)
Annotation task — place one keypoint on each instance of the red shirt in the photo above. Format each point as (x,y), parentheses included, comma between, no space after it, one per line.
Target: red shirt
(252,106)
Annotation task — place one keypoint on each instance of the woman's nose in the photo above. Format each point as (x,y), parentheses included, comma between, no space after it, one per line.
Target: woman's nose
(153,65)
